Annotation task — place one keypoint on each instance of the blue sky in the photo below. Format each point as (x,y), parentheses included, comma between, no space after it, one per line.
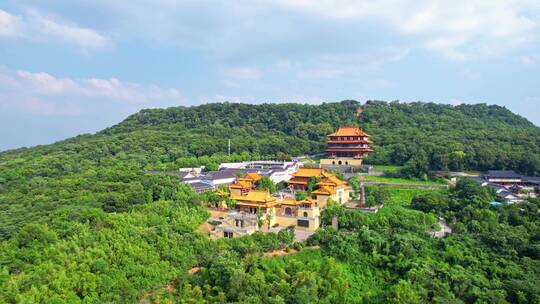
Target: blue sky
(72,67)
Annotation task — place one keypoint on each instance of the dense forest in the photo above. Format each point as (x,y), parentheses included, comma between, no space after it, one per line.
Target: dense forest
(80,221)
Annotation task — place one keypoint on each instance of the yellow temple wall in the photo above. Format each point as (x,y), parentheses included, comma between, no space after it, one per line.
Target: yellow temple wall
(236,191)
(344,161)
(286,221)
(313,225)
(322,200)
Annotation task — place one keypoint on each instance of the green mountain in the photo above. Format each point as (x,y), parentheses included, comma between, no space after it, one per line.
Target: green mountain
(80,219)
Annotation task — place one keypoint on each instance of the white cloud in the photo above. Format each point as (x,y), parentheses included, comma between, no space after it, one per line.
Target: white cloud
(459,30)
(37,27)
(43,93)
(9,24)
(45,83)
(71,33)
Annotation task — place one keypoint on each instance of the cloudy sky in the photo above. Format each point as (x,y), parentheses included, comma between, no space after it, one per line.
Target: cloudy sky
(70,67)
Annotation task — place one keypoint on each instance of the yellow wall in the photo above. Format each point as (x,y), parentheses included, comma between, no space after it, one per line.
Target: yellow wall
(313,225)
(344,161)
(236,191)
(286,221)
(322,200)
(311,212)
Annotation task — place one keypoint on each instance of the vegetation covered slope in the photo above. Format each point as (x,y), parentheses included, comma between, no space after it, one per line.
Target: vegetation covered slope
(442,137)
(80,219)
(106,169)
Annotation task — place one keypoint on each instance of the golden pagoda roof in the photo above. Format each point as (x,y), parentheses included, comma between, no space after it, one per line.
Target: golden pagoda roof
(324,190)
(349,131)
(292,202)
(259,196)
(309,172)
(307,200)
(297,182)
(331,180)
(253,176)
(241,184)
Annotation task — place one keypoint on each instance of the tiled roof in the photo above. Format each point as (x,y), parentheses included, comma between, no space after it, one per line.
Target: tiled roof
(262,196)
(309,172)
(241,185)
(349,131)
(200,187)
(324,190)
(297,182)
(221,174)
(253,176)
(330,179)
(531,179)
(502,174)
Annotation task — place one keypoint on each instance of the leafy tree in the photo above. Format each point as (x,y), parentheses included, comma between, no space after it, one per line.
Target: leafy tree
(402,293)
(265,183)
(376,195)
(32,234)
(300,195)
(430,202)
(312,183)
(356,186)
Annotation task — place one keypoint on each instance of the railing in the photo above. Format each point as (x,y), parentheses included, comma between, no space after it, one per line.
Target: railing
(348,147)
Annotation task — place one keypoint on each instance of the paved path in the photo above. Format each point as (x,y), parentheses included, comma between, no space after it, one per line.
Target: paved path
(445,230)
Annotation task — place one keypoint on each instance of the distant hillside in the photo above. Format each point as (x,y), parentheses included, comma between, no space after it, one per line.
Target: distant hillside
(476,137)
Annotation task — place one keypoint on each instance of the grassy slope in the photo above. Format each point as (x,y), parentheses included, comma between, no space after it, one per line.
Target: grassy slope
(382,179)
(365,280)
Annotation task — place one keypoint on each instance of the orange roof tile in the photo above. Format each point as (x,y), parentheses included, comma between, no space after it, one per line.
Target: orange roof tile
(253,176)
(349,131)
(324,190)
(309,172)
(241,184)
(297,182)
(330,179)
(260,196)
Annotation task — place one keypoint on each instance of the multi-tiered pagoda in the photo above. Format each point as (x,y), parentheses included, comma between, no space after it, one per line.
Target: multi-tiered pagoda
(347,147)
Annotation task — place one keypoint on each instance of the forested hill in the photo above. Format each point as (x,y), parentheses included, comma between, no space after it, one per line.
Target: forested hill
(439,137)
(80,221)
(432,136)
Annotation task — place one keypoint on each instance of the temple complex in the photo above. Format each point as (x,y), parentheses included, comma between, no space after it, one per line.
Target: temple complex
(347,147)
(251,209)
(252,205)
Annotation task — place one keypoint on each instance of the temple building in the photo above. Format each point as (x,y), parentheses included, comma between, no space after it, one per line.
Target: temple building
(347,147)
(256,201)
(331,187)
(300,178)
(244,184)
